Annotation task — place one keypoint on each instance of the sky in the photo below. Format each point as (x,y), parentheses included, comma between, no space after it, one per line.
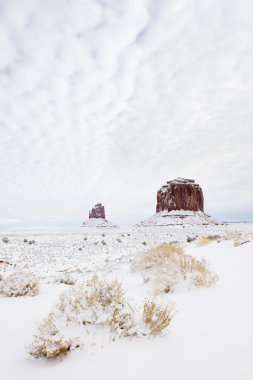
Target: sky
(106,100)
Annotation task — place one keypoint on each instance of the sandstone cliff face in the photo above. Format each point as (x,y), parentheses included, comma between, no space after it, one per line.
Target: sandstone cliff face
(180,194)
(98,211)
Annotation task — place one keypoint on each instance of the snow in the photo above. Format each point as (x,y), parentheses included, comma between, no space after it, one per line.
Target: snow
(210,336)
(98,222)
(178,217)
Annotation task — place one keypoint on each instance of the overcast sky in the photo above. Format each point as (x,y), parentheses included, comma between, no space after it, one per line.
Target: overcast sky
(106,100)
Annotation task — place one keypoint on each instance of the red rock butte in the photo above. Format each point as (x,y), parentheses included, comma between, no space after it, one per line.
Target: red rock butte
(180,194)
(98,211)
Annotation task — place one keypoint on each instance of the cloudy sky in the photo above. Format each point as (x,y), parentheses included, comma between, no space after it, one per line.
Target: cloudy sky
(106,100)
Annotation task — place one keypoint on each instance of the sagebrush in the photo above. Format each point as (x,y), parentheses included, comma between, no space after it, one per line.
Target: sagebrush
(99,302)
(207,240)
(49,342)
(66,278)
(168,266)
(20,284)
(156,317)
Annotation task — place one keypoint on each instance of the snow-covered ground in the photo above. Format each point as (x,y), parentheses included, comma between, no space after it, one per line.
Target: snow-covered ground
(210,336)
(178,217)
(98,222)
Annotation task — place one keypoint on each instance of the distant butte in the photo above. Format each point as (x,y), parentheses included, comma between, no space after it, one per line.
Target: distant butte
(97,217)
(98,211)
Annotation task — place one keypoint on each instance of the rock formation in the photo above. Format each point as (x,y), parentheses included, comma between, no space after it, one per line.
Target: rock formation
(180,194)
(97,217)
(179,202)
(98,211)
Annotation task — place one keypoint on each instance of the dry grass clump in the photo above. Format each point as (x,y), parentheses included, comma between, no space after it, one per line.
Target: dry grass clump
(167,266)
(207,240)
(20,284)
(157,318)
(101,303)
(49,342)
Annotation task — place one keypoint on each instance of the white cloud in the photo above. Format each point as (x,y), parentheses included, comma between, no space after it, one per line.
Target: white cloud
(106,100)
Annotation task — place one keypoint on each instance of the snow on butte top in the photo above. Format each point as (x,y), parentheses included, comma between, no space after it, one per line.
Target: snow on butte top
(182,180)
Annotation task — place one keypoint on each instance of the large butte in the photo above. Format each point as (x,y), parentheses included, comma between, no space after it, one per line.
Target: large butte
(179,202)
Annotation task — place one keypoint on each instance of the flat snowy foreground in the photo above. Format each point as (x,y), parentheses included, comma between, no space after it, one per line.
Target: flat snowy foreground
(210,336)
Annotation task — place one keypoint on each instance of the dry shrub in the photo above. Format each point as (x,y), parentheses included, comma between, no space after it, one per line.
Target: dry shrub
(203,276)
(154,257)
(66,278)
(199,270)
(49,342)
(101,303)
(3,261)
(97,303)
(156,318)
(241,242)
(103,293)
(167,266)
(161,266)
(239,238)
(20,284)
(207,240)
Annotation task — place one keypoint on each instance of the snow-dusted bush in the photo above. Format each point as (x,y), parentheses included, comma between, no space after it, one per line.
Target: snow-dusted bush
(157,318)
(66,278)
(207,240)
(239,238)
(189,239)
(5,240)
(94,304)
(49,342)
(167,266)
(19,284)
(237,243)
(99,302)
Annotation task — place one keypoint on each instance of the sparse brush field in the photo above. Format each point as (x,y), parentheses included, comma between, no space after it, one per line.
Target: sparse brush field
(126,303)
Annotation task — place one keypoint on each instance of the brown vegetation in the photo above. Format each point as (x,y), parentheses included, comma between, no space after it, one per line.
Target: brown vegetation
(49,342)
(167,265)
(157,317)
